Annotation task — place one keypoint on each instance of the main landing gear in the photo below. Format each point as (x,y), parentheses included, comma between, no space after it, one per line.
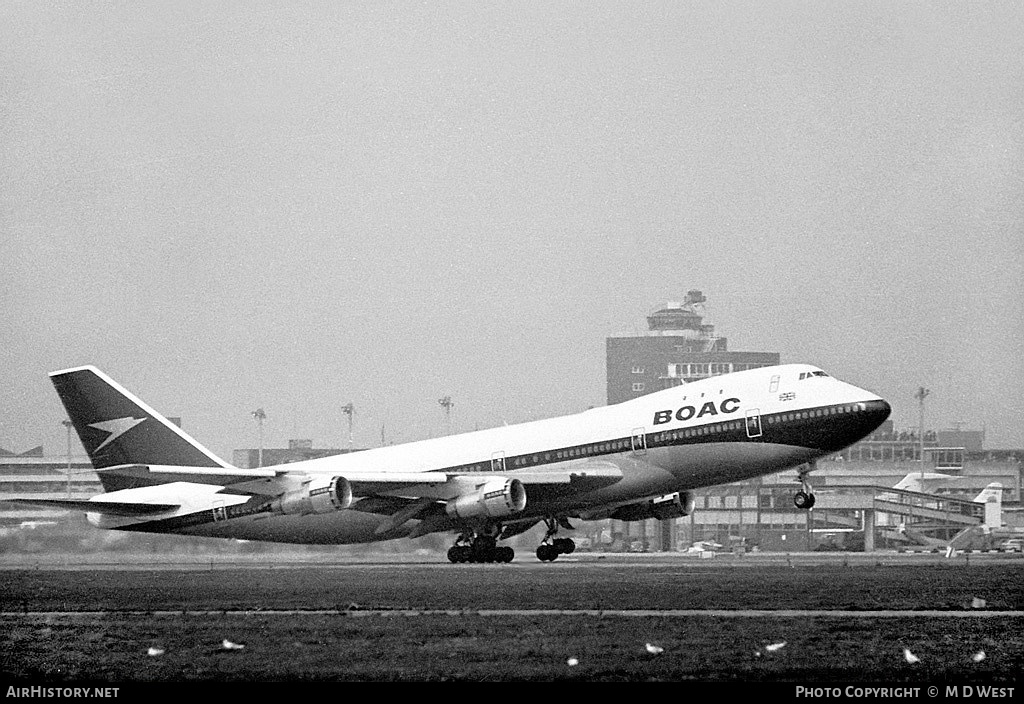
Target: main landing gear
(551,547)
(479,548)
(804,499)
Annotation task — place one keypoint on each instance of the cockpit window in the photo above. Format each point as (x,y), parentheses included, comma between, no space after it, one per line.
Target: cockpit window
(808,375)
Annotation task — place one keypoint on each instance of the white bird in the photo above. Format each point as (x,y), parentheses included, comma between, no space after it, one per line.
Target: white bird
(654,649)
(572,662)
(911,658)
(153,652)
(228,645)
(978,603)
(978,656)
(775,646)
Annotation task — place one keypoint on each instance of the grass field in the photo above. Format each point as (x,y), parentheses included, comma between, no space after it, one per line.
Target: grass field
(348,646)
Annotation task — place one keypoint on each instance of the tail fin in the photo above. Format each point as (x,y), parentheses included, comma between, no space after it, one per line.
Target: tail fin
(992,492)
(116,428)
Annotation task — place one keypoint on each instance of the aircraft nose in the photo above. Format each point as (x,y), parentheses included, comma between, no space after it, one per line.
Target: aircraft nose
(875,413)
(866,417)
(884,409)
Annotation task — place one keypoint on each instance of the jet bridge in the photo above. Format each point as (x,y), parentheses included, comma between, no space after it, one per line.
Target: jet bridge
(896,515)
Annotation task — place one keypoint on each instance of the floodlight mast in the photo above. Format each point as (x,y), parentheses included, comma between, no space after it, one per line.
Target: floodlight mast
(349,409)
(447,404)
(260,416)
(921,394)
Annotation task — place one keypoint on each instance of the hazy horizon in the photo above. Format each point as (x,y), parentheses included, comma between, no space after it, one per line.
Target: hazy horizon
(297,206)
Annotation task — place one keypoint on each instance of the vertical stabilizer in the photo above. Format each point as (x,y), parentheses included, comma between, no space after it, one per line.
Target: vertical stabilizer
(992,497)
(116,428)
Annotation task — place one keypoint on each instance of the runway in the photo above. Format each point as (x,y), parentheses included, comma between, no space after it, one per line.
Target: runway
(503,613)
(523,562)
(417,617)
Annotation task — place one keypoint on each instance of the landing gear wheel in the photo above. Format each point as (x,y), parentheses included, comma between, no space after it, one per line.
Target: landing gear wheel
(459,553)
(803,500)
(547,553)
(564,546)
(504,554)
(482,549)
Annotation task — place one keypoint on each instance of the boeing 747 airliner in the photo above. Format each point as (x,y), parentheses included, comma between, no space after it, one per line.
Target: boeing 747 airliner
(630,461)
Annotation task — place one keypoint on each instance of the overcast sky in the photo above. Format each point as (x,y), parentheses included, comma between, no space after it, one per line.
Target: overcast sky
(306,204)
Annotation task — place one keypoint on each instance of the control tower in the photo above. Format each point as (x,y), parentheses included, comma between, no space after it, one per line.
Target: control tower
(677,349)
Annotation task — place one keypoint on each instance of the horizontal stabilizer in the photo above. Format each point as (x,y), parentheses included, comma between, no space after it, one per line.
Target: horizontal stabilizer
(130,476)
(114,508)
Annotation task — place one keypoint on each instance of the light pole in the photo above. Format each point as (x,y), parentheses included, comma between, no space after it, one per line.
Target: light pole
(446,404)
(350,410)
(67,424)
(259,415)
(920,396)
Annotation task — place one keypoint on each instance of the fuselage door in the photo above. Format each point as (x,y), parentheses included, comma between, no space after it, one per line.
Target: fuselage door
(753,422)
(498,462)
(639,441)
(219,512)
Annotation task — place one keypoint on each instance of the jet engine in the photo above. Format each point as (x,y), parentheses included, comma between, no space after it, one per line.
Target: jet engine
(494,499)
(317,495)
(663,508)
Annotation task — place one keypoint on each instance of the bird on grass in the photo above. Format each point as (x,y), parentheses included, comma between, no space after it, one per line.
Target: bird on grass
(153,652)
(572,662)
(228,645)
(654,649)
(910,657)
(775,646)
(978,656)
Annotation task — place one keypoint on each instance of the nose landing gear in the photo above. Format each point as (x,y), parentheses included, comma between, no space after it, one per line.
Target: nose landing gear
(804,499)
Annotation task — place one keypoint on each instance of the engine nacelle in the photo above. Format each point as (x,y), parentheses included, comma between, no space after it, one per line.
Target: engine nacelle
(664,508)
(317,495)
(496,498)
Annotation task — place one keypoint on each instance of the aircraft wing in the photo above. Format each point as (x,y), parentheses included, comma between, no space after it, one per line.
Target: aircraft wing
(402,495)
(115,508)
(558,478)
(266,482)
(142,501)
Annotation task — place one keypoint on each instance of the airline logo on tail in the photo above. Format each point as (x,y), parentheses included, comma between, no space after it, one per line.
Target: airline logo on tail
(116,428)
